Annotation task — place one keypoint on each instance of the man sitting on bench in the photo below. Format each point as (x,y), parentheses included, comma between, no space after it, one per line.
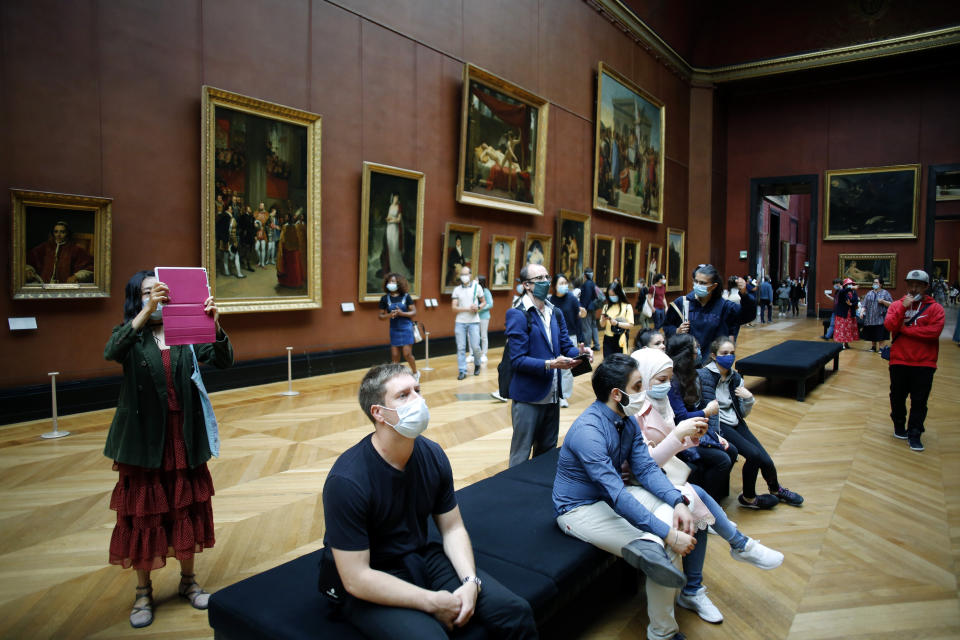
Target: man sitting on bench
(593,503)
(376,501)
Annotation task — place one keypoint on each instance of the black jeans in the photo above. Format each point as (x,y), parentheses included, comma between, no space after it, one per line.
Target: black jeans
(755,458)
(914,382)
(712,470)
(768,305)
(499,612)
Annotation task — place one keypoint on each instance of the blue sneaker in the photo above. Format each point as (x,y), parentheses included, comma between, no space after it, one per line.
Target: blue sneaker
(791,498)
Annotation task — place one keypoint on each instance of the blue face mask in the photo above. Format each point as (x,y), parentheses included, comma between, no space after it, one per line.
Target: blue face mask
(519,289)
(701,290)
(391,286)
(562,289)
(659,391)
(726,361)
(541,289)
(613,298)
(699,355)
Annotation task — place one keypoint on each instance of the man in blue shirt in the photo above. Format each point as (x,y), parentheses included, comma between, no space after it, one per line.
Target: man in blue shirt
(634,522)
(539,346)
(766,299)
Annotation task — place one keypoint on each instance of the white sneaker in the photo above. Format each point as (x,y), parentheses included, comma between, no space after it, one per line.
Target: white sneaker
(563,403)
(483,359)
(700,603)
(496,394)
(758,555)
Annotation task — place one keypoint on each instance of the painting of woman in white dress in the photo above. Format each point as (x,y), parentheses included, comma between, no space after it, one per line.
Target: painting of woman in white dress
(390,227)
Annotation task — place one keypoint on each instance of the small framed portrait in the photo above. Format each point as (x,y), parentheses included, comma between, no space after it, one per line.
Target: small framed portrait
(603,250)
(573,236)
(941,269)
(503,262)
(629,151)
(261,203)
(60,245)
(629,264)
(867,204)
(654,264)
(391,228)
(784,259)
(676,239)
(862,268)
(536,249)
(503,144)
(461,248)
(948,186)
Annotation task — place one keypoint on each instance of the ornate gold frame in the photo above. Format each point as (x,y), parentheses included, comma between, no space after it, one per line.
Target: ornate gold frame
(512,269)
(213,98)
(651,246)
(624,242)
(369,168)
(891,257)
(675,286)
(99,208)
(466,196)
(585,246)
(946,276)
(602,70)
(828,235)
(546,242)
(597,237)
(449,228)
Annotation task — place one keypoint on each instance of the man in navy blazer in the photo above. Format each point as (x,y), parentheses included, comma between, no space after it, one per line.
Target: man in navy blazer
(539,347)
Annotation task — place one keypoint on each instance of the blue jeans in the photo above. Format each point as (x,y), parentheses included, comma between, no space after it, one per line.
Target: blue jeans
(460,331)
(589,331)
(659,315)
(829,334)
(693,561)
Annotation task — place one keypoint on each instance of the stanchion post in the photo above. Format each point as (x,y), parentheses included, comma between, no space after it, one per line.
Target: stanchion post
(290,391)
(56,433)
(426,346)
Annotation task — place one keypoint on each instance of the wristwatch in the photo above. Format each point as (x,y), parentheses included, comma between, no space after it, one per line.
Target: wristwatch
(475,580)
(684,499)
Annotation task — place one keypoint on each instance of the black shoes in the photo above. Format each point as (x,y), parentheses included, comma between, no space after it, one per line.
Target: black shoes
(461,375)
(650,558)
(785,495)
(899,433)
(915,444)
(476,371)
(763,501)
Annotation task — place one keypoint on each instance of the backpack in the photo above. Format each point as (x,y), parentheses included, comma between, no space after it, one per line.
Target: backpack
(505,368)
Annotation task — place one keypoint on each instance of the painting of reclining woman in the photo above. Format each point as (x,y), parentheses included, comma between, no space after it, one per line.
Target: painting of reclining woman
(503,144)
(262,203)
(628,159)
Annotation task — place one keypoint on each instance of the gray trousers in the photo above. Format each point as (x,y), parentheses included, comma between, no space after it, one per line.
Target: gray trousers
(534,425)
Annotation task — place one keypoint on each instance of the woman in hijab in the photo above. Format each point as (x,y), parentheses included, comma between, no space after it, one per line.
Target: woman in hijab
(665,441)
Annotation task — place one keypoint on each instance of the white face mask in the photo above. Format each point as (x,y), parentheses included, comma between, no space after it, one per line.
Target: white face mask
(464,279)
(631,403)
(412,418)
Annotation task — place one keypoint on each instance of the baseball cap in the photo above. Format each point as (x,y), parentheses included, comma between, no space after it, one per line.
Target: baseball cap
(919,275)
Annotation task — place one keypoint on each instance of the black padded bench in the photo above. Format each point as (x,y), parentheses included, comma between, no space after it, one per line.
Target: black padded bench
(794,360)
(515,538)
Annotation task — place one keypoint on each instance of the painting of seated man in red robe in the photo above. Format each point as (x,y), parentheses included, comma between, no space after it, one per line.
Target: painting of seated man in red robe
(59,259)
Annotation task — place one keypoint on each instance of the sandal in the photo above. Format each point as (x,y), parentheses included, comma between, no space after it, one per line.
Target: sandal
(142,613)
(192,591)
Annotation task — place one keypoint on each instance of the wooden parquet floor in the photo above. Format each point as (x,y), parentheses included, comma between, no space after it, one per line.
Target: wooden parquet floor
(873,553)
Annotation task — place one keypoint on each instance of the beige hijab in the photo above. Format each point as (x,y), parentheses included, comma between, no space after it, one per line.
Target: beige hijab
(653,362)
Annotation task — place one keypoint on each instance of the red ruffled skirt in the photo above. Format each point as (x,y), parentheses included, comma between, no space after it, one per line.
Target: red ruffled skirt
(162,512)
(845,329)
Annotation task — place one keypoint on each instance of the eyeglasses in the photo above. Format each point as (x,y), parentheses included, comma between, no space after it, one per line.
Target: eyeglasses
(543,278)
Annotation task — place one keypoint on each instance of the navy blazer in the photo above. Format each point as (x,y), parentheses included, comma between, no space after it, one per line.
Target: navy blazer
(529,349)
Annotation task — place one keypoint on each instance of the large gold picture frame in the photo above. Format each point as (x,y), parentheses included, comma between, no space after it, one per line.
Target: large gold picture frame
(604,250)
(941,269)
(630,261)
(676,246)
(456,254)
(254,152)
(871,203)
(503,262)
(60,245)
(573,240)
(654,264)
(628,159)
(862,268)
(503,144)
(391,228)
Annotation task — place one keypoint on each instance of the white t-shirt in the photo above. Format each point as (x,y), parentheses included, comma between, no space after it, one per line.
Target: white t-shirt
(466,295)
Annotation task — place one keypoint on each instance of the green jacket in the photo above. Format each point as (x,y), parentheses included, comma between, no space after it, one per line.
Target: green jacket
(139,427)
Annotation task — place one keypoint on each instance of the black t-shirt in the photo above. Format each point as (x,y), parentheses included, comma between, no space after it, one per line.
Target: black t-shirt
(367,504)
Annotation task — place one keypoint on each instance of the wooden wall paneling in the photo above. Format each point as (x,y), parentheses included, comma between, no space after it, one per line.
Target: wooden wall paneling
(568,60)
(490,25)
(437,24)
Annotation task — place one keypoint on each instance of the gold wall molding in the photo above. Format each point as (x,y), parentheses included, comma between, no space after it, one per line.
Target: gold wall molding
(628,22)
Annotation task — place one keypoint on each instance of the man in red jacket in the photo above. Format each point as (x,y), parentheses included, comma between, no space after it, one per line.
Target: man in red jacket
(915,323)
